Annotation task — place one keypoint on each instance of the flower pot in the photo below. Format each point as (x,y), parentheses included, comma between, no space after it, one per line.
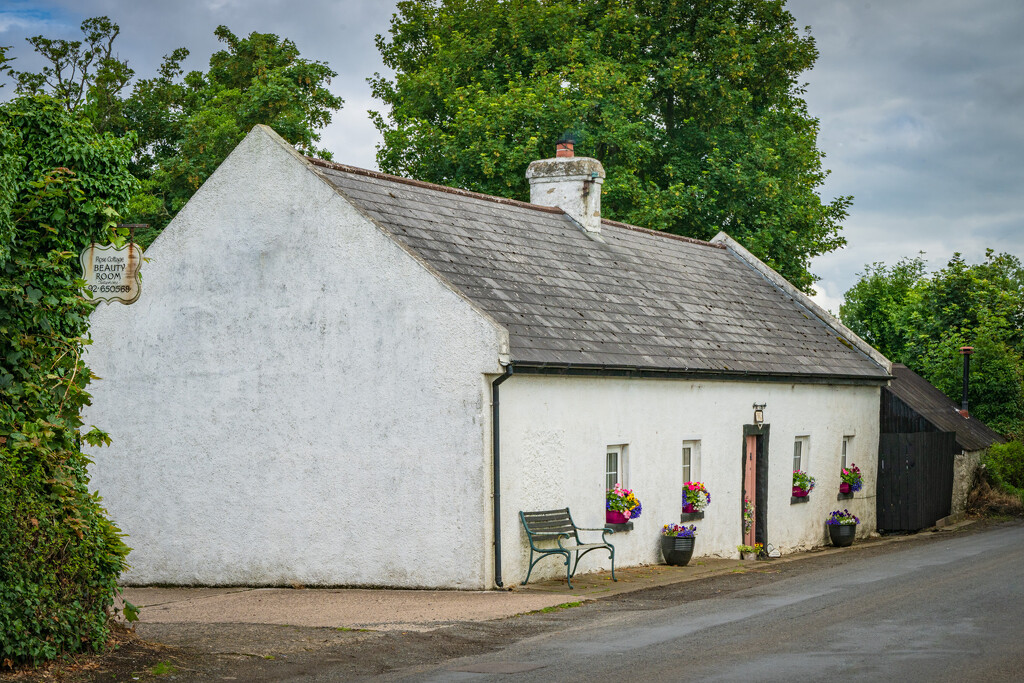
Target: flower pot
(615,517)
(677,551)
(689,507)
(842,535)
(748,556)
(844,488)
(799,492)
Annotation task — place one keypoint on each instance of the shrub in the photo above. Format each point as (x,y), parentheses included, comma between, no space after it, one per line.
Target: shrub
(60,187)
(1005,462)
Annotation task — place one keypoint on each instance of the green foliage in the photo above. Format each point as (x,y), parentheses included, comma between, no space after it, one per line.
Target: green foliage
(877,306)
(693,108)
(1005,463)
(182,128)
(922,320)
(59,555)
(258,79)
(81,73)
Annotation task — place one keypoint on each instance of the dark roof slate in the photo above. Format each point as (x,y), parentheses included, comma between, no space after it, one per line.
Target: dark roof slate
(639,299)
(971,433)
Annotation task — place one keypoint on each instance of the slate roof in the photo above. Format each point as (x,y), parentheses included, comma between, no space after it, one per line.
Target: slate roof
(639,299)
(971,433)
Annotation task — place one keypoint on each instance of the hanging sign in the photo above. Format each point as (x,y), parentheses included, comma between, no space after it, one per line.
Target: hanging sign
(112,273)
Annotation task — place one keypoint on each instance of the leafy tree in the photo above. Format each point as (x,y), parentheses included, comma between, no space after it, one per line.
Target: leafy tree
(922,320)
(83,74)
(182,128)
(258,79)
(694,108)
(61,185)
(876,308)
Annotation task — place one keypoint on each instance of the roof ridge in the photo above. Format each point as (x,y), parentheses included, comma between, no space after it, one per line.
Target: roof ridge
(661,233)
(431,186)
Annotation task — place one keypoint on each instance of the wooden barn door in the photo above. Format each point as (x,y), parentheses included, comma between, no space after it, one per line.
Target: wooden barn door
(915,479)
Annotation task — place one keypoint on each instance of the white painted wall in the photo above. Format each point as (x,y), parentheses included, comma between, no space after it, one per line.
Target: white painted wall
(554,431)
(294,397)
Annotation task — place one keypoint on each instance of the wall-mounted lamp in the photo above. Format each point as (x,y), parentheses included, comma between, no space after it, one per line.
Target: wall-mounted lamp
(759,414)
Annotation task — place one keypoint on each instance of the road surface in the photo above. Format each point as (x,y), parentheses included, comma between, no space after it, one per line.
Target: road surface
(942,611)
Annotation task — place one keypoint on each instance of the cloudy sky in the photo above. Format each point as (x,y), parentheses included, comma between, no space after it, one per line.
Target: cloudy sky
(919,100)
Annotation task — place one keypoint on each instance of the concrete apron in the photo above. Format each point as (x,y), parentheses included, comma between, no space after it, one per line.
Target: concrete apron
(425,610)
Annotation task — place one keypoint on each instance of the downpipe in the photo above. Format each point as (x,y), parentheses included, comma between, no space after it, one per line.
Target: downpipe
(496,471)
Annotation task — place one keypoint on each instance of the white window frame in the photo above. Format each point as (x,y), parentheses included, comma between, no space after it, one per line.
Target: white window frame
(694,446)
(847,451)
(621,471)
(801,461)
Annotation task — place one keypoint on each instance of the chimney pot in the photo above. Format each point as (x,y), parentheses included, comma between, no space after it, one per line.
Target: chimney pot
(563,149)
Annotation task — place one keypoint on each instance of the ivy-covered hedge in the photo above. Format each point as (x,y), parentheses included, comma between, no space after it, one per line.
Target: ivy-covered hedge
(61,186)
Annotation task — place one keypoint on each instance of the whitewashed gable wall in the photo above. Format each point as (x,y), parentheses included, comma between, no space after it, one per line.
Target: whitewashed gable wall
(294,398)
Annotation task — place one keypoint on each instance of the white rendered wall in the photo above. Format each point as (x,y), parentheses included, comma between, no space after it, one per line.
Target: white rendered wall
(554,431)
(294,398)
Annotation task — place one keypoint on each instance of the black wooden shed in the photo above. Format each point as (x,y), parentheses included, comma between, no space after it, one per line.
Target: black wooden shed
(921,432)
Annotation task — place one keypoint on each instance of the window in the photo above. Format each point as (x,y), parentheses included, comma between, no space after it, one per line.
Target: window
(847,450)
(801,452)
(616,469)
(691,461)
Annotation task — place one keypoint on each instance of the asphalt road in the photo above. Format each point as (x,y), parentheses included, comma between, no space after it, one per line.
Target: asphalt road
(943,611)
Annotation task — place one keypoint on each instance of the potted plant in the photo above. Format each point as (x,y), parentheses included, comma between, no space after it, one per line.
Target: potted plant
(750,552)
(851,479)
(677,543)
(621,505)
(695,496)
(803,483)
(842,527)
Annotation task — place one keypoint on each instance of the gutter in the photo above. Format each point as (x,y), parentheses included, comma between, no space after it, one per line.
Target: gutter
(639,372)
(496,471)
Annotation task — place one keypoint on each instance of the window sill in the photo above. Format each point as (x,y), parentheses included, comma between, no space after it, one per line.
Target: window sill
(628,526)
(794,500)
(691,517)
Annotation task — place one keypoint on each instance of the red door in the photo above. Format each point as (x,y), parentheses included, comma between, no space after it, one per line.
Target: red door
(749,490)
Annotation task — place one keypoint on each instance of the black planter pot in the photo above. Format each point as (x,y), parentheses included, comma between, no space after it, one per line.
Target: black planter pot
(842,535)
(677,551)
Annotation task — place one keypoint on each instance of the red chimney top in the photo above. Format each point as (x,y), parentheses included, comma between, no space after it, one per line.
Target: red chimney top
(966,350)
(563,148)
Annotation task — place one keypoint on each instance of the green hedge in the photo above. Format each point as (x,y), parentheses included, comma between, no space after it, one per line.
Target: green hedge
(1005,465)
(61,185)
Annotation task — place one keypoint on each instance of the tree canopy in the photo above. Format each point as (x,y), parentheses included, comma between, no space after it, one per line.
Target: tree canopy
(923,319)
(694,107)
(182,126)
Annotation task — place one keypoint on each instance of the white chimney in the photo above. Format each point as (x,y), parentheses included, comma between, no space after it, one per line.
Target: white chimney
(571,183)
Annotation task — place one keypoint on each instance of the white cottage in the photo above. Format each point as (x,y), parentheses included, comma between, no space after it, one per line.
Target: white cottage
(340,377)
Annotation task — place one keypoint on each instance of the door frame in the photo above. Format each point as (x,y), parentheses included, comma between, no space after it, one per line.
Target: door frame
(760,480)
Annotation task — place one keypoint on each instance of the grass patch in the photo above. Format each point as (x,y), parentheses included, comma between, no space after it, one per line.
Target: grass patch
(564,605)
(162,669)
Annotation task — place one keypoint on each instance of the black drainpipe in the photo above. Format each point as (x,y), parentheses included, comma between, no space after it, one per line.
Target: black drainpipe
(496,472)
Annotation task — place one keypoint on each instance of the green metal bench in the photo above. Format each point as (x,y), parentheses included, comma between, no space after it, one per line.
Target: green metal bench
(545,526)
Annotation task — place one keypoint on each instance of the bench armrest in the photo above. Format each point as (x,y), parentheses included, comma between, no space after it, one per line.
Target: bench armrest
(604,531)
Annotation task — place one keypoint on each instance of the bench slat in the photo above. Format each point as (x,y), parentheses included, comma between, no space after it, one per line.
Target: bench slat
(563,511)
